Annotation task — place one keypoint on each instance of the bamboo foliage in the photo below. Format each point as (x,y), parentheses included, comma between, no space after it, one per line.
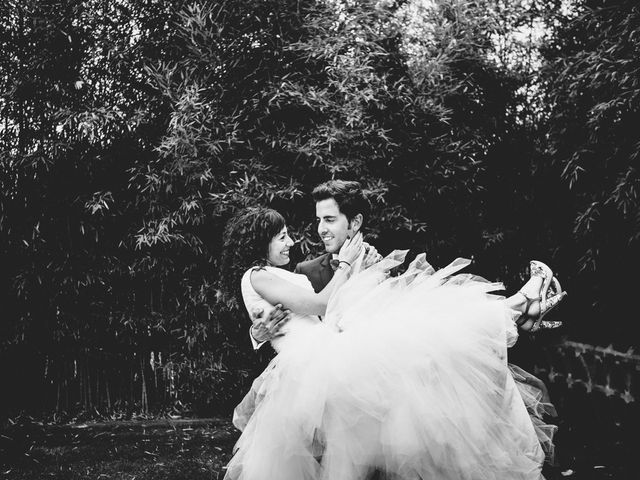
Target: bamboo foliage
(132,130)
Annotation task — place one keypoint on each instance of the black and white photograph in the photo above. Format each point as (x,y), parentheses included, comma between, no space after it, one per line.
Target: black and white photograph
(319,239)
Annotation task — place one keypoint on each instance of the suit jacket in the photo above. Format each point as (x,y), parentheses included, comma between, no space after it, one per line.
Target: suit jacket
(318,271)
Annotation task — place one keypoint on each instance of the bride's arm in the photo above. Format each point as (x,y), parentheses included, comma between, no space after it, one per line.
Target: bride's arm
(297,299)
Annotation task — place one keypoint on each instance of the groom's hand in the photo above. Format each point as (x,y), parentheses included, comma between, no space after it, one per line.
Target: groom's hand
(371,256)
(266,329)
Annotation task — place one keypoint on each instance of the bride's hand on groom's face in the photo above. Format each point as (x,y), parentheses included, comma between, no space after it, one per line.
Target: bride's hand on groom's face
(351,248)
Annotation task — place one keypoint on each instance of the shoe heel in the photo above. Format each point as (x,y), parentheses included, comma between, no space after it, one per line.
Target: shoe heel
(552,302)
(548,304)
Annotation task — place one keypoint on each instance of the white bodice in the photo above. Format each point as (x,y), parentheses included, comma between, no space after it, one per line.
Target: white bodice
(253,301)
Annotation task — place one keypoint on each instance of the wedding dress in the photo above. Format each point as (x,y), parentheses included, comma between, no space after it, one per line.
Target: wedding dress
(407,375)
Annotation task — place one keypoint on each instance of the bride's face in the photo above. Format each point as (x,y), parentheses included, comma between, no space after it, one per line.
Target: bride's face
(279,246)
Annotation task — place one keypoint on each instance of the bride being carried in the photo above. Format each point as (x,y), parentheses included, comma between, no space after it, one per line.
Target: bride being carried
(403,375)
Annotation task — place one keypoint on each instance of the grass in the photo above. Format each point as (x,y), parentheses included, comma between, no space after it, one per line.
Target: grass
(158,450)
(597,439)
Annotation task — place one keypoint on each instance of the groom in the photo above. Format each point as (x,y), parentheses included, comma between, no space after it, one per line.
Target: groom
(341,210)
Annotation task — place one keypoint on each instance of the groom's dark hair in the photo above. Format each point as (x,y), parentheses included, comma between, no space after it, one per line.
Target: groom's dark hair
(347,194)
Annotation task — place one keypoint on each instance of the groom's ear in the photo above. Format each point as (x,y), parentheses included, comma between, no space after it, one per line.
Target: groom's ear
(356,223)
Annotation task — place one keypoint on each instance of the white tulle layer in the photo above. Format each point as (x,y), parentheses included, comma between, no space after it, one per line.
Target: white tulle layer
(407,376)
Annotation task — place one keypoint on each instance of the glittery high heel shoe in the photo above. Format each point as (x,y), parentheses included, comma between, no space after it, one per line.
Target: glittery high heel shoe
(551,295)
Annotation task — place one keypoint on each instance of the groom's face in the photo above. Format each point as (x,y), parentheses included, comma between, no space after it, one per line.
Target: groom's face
(333,225)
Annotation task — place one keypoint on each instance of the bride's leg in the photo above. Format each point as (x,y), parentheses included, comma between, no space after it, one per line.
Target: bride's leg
(533,302)
(527,302)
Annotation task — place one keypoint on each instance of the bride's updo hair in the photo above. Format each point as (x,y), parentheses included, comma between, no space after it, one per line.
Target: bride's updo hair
(246,244)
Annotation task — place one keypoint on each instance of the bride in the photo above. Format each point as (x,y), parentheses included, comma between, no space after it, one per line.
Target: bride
(406,375)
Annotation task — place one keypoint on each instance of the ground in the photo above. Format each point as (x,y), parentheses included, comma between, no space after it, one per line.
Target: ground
(134,450)
(198,449)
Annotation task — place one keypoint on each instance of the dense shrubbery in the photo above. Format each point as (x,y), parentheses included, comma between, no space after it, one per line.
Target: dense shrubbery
(132,131)
(591,140)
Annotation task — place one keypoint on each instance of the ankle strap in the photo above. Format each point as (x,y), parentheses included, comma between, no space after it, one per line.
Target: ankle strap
(531,299)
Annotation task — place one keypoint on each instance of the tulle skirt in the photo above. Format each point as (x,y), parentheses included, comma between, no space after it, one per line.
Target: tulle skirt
(408,377)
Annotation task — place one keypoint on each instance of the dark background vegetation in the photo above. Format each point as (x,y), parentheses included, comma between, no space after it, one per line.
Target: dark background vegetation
(131,130)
